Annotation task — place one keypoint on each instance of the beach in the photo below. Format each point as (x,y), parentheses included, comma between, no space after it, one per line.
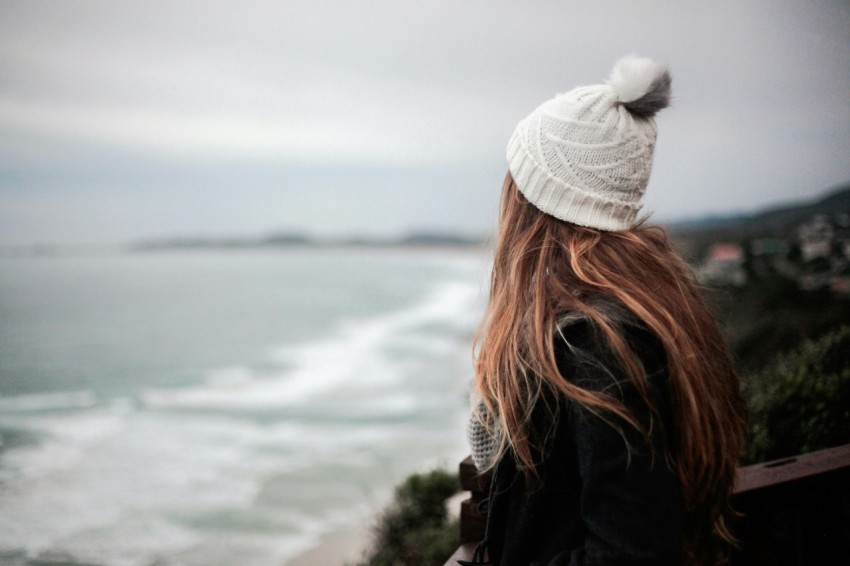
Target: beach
(341,547)
(218,408)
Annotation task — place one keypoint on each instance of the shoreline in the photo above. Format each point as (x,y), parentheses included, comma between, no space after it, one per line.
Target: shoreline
(342,547)
(348,545)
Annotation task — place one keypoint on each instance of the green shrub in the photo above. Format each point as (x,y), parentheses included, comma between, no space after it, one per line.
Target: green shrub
(415,530)
(801,402)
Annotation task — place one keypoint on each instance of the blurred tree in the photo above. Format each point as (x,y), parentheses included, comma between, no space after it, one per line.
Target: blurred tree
(801,402)
(415,528)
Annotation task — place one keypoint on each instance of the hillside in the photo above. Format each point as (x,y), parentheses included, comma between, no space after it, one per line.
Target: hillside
(695,236)
(784,299)
(777,222)
(772,221)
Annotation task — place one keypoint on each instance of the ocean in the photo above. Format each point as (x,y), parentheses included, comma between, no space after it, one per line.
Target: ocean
(224,407)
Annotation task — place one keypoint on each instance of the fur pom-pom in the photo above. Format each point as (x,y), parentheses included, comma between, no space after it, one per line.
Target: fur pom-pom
(641,84)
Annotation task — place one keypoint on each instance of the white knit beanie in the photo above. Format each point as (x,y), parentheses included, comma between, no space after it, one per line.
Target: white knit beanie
(585,156)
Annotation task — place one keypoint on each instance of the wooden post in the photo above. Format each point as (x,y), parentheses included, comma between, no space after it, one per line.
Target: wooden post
(472,520)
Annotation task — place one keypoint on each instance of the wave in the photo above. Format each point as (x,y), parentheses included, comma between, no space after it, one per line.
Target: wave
(35,402)
(358,357)
(193,480)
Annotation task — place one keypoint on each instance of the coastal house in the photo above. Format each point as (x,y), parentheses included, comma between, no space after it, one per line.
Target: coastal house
(815,238)
(724,265)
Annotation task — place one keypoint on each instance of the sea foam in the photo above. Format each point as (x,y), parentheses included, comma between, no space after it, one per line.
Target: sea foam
(255,462)
(357,355)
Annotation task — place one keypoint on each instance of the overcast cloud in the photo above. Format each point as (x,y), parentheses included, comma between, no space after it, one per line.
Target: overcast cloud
(124,120)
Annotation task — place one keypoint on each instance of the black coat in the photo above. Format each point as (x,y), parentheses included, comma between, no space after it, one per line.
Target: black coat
(596,501)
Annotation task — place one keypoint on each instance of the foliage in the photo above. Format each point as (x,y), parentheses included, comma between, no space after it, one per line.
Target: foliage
(415,529)
(772,315)
(801,402)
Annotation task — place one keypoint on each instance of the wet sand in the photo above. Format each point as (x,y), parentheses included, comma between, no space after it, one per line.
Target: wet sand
(345,547)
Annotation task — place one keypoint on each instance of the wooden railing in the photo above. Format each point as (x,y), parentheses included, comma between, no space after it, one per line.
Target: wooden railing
(794,511)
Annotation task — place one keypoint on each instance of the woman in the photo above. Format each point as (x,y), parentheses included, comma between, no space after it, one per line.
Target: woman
(609,406)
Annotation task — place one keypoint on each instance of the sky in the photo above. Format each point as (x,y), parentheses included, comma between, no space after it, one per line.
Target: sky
(122,121)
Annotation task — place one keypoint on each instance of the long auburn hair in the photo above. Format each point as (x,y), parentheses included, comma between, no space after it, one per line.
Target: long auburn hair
(545,268)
